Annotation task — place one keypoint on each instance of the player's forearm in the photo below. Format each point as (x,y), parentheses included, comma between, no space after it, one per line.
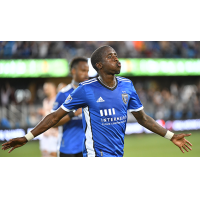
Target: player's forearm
(63,121)
(48,122)
(152,125)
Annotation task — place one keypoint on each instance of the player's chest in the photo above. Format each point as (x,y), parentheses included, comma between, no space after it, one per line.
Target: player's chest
(108,102)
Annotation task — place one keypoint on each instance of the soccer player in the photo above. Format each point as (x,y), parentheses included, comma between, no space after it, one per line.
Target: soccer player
(105,101)
(49,140)
(70,127)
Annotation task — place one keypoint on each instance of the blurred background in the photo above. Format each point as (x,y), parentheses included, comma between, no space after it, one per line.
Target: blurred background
(166,76)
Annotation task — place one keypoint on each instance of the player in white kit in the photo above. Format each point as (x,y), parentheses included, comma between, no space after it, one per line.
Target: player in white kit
(49,140)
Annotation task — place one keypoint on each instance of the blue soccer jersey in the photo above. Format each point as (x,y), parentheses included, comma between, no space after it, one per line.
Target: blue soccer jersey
(104,114)
(72,133)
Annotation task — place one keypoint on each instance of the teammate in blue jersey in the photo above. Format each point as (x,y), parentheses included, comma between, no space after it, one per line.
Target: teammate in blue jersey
(70,127)
(105,101)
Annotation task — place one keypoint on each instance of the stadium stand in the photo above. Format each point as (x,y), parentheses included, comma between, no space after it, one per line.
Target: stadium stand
(125,49)
(162,99)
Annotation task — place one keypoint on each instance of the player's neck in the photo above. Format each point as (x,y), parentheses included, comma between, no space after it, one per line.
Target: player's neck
(108,80)
(75,83)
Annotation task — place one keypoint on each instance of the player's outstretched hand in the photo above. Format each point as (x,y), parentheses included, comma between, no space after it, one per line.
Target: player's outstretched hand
(14,143)
(181,142)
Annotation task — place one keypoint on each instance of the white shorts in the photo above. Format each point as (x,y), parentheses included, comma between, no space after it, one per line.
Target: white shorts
(49,143)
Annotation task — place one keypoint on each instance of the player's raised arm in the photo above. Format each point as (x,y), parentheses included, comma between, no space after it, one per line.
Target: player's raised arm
(48,122)
(152,125)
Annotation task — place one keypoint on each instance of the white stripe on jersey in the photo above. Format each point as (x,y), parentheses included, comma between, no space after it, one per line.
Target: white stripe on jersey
(113,111)
(101,112)
(60,134)
(135,110)
(89,143)
(118,77)
(65,109)
(89,82)
(123,79)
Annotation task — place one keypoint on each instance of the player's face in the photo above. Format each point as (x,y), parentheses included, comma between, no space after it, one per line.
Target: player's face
(111,64)
(48,89)
(82,70)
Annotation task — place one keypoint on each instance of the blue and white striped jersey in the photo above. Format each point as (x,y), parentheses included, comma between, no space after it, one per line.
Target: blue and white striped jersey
(71,134)
(104,114)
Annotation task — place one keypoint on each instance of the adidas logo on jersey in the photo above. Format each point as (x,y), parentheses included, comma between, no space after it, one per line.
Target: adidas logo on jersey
(100,99)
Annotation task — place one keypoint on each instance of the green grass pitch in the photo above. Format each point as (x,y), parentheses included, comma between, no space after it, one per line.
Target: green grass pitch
(141,145)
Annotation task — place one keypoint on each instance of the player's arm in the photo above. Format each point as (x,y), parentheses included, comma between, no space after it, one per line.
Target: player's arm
(68,117)
(149,123)
(63,121)
(60,98)
(48,122)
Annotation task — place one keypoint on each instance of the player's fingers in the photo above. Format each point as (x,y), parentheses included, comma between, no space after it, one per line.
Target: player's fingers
(188,142)
(2,148)
(6,147)
(188,147)
(185,148)
(12,149)
(186,135)
(181,149)
(6,143)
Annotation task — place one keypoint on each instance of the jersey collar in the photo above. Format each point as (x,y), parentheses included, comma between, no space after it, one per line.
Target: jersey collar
(73,83)
(107,86)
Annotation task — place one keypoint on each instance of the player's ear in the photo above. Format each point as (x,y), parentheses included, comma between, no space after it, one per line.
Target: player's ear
(99,65)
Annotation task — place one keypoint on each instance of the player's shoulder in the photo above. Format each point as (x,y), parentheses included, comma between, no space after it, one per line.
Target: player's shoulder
(122,79)
(89,82)
(66,88)
(64,92)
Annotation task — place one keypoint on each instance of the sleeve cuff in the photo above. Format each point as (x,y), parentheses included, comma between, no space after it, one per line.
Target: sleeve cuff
(65,109)
(136,110)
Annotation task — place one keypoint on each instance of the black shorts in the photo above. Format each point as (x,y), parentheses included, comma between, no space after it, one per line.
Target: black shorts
(71,155)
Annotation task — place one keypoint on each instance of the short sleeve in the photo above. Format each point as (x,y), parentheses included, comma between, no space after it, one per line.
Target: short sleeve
(60,99)
(134,102)
(75,100)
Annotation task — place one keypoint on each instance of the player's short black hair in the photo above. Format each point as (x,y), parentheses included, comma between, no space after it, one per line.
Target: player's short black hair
(97,56)
(76,60)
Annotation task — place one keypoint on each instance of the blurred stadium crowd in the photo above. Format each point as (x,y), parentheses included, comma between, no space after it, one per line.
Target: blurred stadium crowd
(19,107)
(173,103)
(167,103)
(125,49)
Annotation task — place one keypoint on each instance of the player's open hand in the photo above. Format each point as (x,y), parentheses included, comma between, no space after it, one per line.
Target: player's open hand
(181,142)
(14,143)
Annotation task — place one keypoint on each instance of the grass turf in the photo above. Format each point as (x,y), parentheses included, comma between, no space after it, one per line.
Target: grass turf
(31,149)
(142,145)
(152,145)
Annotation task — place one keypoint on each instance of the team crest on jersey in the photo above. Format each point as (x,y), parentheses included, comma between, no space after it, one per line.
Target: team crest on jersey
(69,98)
(125,98)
